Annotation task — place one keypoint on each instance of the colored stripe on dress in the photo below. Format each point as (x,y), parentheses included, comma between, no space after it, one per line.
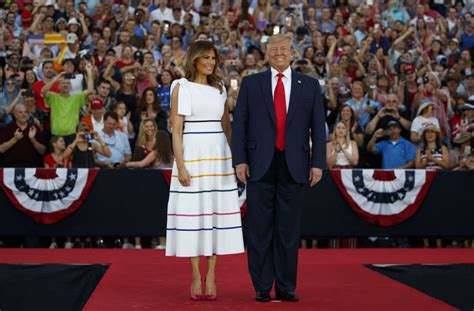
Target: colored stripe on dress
(204,191)
(201,121)
(204,229)
(208,159)
(203,132)
(211,214)
(209,175)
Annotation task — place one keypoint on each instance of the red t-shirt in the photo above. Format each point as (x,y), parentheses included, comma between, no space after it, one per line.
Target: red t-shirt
(122,64)
(37,86)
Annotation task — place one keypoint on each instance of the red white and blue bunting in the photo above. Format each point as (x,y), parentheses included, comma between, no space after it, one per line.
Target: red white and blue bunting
(47,195)
(382,197)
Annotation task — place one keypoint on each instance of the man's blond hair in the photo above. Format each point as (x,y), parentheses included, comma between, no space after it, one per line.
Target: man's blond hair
(278,37)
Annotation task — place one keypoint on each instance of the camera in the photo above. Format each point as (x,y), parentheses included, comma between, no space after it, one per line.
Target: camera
(87,136)
(388,110)
(88,56)
(69,76)
(426,80)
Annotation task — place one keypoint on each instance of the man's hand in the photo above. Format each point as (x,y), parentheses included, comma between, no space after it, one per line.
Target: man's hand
(18,135)
(315,175)
(378,133)
(242,170)
(32,132)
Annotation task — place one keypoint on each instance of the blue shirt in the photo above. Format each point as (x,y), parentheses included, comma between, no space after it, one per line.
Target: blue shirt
(118,145)
(467,42)
(164,97)
(395,154)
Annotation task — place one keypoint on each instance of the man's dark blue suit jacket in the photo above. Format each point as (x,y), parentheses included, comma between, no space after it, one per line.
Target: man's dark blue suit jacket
(254,127)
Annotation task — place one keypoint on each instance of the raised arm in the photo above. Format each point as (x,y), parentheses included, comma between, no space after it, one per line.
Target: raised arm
(49,85)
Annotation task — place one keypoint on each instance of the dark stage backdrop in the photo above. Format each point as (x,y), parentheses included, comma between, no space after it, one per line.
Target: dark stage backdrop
(133,203)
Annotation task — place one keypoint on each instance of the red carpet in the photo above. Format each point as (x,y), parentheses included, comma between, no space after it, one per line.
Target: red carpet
(328,279)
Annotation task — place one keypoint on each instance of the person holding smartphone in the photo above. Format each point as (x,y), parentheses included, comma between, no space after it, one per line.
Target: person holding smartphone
(390,112)
(65,107)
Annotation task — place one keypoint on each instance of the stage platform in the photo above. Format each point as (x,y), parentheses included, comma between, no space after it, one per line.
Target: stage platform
(328,279)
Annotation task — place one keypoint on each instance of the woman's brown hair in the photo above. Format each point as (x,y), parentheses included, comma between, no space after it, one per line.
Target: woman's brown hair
(199,49)
(163,147)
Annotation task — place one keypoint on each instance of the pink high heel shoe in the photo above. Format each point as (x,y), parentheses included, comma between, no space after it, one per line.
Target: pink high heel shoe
(197,297)
(210,297)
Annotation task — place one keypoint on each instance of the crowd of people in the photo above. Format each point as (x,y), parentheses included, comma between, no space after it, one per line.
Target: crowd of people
(397,76)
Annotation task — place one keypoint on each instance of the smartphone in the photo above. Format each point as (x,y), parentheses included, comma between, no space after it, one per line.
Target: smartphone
(166,27)
(322,82)
(386,133)
(234,84)
(276,29)
(288,21)
(69,76)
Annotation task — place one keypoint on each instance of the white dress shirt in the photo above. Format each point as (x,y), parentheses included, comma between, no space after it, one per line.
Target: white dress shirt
(286,79)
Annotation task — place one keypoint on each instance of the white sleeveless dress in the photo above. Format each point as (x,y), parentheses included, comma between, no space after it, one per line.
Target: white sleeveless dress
(204,218)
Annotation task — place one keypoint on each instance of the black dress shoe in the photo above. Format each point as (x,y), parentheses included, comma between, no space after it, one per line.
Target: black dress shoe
(263,297)
(287,296)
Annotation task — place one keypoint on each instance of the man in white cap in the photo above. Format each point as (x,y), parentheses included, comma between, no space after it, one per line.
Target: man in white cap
(72,46)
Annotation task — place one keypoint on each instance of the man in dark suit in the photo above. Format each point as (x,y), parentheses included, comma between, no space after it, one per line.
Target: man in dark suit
(276,112)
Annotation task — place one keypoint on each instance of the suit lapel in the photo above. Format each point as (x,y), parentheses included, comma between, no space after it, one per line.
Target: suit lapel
(266,84)
(296,84)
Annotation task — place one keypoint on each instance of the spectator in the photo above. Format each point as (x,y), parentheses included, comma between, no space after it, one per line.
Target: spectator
(144,155)
(425,116)
(396,152)
(65,107)
(21,143)
(95,118)
(117,143)
(150,108)
(346,115)
(163,92)
(463,120)
(76,79)
(103,93)
(466,38)
(48,75)
(124,125)
(363,107)
(56,158)
(432,154)
(341,151)
(461,149)
(467,164)
(82,152)
(391,111)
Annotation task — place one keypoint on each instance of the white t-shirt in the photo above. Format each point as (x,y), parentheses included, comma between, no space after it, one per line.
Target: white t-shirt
(419,124)
(166,15)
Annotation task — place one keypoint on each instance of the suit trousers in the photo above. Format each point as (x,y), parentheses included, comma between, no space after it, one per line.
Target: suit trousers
(273,227)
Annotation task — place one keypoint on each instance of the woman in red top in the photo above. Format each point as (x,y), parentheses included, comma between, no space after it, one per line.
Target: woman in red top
(56,158)
(127,63)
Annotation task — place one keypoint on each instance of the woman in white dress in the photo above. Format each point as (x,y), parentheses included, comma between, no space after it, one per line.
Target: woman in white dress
(203,210)
(341,152)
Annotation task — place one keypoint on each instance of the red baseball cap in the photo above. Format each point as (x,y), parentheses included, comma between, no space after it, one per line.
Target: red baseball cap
(97,103)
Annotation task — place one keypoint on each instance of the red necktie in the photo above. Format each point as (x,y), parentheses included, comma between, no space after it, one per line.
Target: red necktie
(280,112)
